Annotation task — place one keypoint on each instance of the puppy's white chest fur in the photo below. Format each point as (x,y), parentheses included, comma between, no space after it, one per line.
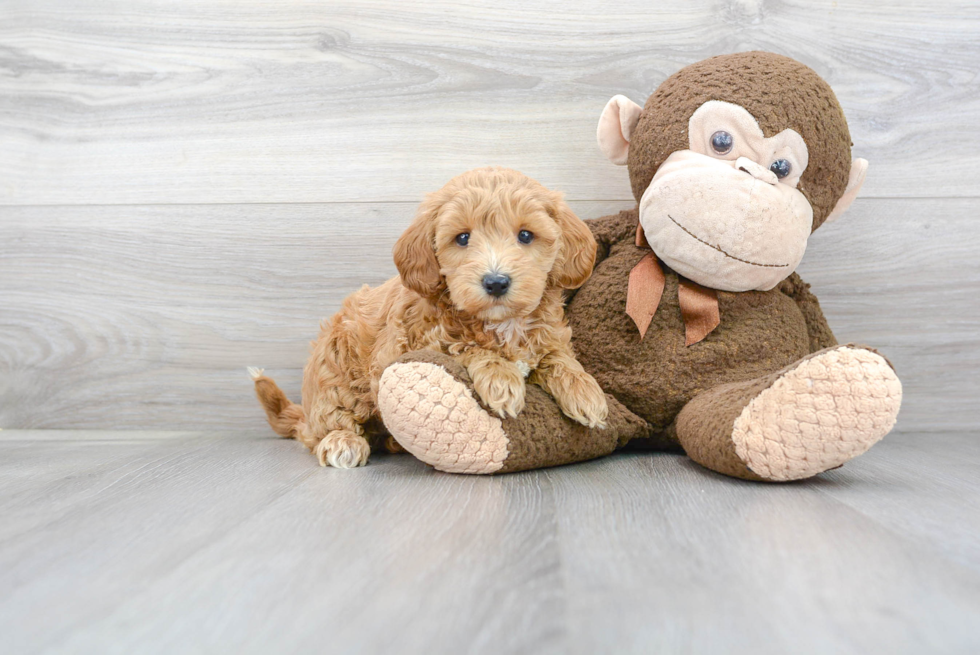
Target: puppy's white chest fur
(513,332)
(524,368)
(510,332)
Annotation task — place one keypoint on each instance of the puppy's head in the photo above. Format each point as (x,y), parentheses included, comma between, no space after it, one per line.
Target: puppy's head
(494,240)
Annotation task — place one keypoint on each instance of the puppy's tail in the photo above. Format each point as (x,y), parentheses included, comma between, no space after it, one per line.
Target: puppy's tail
(285,417)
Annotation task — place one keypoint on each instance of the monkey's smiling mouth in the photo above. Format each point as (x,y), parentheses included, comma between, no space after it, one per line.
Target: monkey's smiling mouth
(730,256)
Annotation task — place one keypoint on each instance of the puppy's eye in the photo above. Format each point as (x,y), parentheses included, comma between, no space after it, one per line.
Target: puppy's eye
(781,168)
(525,237)
(722,142)
(462,239)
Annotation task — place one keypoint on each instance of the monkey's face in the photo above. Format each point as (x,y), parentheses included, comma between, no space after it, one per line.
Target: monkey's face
(720,202)
(726,212)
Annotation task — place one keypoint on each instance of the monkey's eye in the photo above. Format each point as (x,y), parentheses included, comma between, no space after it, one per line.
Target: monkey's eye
(463,239)
(781,168)
(722,142)
(525,237)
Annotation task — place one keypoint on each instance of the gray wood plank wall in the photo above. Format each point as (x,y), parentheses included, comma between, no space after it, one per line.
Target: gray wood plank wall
(185,191)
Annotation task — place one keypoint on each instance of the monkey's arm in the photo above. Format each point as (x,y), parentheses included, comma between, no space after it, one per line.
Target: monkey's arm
(607,231)
(820,333)
(612,229)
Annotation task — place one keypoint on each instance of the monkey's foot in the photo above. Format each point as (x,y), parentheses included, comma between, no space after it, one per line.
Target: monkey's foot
(811,417)
(428,404)
(436,418)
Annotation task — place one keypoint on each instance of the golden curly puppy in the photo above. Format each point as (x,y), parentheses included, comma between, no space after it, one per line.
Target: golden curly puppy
(482,271)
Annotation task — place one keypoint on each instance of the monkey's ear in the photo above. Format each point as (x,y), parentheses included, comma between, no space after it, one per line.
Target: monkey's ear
(859,170)
(615,126)
(414,252)
(578,247)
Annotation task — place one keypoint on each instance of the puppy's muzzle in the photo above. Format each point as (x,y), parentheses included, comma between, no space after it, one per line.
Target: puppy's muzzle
(496,284)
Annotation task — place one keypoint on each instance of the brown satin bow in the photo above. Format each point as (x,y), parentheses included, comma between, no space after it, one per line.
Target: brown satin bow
(699,305)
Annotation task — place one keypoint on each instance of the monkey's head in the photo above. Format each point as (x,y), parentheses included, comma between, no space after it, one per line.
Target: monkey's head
(734,161)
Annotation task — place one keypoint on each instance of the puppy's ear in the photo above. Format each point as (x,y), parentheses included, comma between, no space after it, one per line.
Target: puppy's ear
(415,254)
(578,247)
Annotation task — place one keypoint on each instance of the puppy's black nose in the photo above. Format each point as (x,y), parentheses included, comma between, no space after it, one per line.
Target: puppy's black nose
(496,284)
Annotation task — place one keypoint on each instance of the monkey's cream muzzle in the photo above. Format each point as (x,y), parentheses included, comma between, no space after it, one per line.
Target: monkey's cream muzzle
(725,224)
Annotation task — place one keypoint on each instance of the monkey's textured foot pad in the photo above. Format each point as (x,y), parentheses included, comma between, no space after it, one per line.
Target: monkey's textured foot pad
(825,411)
(435,417)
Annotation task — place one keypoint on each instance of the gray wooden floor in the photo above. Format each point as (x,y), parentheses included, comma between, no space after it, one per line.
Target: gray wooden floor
(184,542)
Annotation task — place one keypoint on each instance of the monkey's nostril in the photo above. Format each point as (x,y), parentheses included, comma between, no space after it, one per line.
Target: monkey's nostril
(760,173)
(496,284)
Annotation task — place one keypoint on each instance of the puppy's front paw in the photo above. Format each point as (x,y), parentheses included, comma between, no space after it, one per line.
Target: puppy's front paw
(501,387)
(580,398)
(342,449)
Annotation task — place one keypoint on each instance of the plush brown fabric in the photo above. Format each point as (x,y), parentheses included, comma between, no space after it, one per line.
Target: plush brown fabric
(778,91)
(811,416)
(760,332)
(704,426)
(542,436)
(543,415)
(817,327)
(699,305)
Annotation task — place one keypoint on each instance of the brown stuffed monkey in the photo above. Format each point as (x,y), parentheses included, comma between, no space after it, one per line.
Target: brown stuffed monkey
(693,322)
